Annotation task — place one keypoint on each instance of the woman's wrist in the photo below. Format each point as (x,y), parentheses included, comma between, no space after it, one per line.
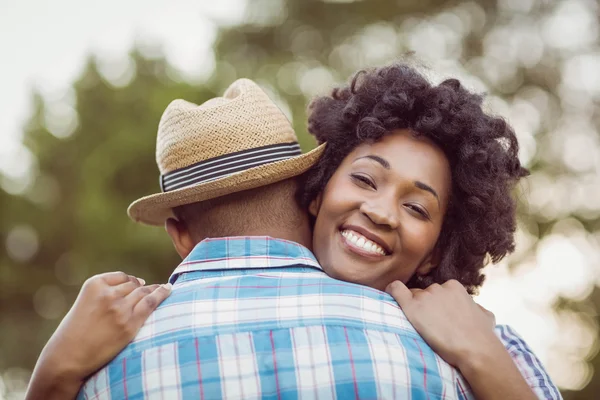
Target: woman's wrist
(476,360)
(492,374)
(58,369)
(53,379)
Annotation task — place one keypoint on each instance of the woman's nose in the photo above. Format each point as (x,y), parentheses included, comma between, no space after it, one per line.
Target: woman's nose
(380,215)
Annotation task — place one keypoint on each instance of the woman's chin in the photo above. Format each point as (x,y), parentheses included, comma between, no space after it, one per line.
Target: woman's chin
(348,271)
(346,263)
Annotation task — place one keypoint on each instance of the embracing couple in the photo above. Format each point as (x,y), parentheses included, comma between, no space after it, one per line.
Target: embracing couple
(345,272)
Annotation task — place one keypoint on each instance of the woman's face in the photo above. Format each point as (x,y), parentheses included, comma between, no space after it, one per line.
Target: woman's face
(380,215)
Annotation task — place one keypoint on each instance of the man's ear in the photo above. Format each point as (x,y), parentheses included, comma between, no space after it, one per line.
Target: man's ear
(315,205)
(180,236)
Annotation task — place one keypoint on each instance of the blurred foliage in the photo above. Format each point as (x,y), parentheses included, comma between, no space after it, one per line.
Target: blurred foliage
(94,148)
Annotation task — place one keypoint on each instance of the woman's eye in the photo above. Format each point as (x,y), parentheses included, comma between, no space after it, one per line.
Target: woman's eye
(363,180)
(419,210)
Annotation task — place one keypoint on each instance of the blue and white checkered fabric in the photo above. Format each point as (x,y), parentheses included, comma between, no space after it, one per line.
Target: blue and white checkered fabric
(255,317)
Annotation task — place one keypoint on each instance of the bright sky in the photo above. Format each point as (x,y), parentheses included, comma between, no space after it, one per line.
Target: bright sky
(45,43)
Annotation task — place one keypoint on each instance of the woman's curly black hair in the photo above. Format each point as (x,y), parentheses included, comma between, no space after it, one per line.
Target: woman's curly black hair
(481,149)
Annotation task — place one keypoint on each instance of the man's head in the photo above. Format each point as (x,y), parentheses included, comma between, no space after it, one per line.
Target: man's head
(270,210)
(228,168)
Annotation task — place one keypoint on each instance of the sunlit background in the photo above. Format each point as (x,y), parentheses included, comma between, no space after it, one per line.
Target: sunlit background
(83,84)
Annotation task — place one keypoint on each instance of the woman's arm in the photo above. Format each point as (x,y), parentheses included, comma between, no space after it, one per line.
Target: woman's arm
(462,333)
(108,313)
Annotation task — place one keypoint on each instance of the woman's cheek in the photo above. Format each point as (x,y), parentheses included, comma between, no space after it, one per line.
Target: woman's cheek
(414,240)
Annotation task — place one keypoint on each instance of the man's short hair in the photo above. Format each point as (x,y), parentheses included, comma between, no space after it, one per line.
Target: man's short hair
(248,212)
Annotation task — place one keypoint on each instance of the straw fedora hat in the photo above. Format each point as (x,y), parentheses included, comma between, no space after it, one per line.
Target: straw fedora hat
(228,144)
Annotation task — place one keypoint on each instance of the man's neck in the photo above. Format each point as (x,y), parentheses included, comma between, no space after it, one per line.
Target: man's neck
(300,236)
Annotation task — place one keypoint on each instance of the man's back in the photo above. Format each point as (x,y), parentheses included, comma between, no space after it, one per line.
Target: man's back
(257,318)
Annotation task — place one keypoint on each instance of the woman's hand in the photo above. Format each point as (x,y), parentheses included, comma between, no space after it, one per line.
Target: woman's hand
(446,316)
(462,333)
(108,313)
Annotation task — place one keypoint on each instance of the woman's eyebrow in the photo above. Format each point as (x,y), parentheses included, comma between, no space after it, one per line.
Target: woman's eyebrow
(427,188)
(384,163)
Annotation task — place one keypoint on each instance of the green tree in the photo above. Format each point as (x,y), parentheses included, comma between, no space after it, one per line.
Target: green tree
(77,203)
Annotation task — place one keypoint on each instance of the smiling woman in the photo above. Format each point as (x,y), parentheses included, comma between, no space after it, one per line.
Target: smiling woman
(382,211)
(417,170)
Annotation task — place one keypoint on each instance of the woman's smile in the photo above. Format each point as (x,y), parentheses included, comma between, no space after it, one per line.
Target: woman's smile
(360,244)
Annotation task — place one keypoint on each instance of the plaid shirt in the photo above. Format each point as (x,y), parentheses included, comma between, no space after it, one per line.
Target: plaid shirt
(257,318)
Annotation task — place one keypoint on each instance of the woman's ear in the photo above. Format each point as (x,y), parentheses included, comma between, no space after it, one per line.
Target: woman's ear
(315,205)
(180,236)
(425,268)
(429,263)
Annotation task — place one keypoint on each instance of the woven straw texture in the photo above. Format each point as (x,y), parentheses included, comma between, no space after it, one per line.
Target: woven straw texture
(244,118)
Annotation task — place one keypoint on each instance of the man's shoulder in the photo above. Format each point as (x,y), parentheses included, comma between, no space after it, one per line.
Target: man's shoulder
(274,283)
(273,300)
(305,318)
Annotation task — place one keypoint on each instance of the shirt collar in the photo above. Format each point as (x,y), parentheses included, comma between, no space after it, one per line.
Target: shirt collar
(245,252)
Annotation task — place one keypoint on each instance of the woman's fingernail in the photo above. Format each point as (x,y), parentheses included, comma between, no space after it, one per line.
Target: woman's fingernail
(141,281)
(168,286)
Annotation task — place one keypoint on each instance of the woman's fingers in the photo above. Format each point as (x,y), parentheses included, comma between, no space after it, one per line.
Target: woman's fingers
(117,278)
(400,293)
(124,289)
(138,294)
(108,312)
(147,295)
(148,301)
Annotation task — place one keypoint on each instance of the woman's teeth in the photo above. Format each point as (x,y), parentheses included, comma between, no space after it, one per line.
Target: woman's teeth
(360,241)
